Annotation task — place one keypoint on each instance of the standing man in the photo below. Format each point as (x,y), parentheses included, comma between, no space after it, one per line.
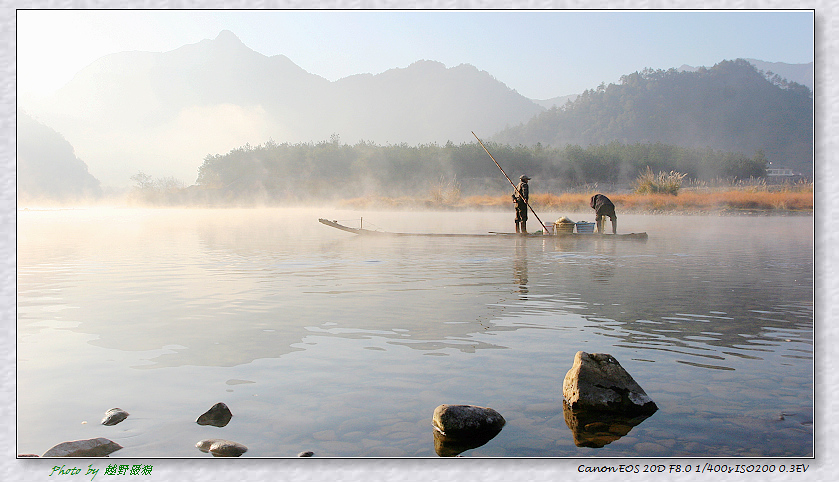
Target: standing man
(520,198)
(603,207)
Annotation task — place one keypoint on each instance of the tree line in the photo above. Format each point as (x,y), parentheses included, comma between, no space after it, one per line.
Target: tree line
(330,170)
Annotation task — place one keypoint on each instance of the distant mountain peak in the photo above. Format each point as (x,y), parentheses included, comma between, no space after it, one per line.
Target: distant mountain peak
(228,37)
(428,64)
(800,73)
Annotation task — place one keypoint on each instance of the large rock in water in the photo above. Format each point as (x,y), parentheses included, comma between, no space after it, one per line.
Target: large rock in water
(598,382)
(466,420)
(458,428)
(95,447)
(218,416)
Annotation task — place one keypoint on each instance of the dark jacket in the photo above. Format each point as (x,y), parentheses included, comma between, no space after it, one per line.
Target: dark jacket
(598,201)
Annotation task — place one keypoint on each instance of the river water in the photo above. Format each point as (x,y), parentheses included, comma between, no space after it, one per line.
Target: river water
(320,340)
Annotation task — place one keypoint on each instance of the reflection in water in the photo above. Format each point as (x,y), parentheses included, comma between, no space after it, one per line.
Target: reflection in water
(595,429)
(520,267)
(446,446)
(603,267)
(358,335)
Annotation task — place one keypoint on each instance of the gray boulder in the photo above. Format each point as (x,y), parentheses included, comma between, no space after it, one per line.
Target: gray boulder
(114,416)
(598,382)
(95,447)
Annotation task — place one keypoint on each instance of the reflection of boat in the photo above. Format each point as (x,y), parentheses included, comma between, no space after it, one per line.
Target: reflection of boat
(539,235)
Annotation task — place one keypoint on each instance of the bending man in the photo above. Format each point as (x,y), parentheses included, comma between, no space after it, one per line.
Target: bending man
(603,207)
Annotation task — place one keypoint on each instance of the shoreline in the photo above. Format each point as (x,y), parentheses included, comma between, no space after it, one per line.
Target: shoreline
(720,203)
(689,202)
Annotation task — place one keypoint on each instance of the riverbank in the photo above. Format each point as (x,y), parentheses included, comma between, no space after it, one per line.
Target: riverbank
(689,201)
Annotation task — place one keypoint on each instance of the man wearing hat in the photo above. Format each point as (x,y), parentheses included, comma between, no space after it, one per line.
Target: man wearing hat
(520,199)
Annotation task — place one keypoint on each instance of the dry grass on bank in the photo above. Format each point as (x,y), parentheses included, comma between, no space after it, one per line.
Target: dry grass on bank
(690,201)
(798,198)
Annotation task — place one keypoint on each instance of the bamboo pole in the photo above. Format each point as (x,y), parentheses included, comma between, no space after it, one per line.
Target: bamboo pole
(544,229)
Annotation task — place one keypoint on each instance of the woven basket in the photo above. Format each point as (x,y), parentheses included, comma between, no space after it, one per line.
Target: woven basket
(564,228)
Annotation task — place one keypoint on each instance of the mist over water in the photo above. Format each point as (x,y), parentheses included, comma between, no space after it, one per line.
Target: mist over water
(320,340)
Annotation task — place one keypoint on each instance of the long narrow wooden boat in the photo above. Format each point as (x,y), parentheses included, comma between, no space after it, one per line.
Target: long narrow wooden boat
(368,232)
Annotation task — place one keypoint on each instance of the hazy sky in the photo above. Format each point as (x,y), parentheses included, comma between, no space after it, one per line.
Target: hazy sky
(540,54)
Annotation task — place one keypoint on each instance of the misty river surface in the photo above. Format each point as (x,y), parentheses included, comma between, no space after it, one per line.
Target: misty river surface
(321,340)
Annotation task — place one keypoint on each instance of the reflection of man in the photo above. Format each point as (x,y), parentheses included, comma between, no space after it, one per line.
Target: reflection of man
(603,207)
(520,266)
(520,198)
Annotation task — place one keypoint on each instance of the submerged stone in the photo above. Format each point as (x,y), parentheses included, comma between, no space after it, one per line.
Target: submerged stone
(598,382)
(218,416)
(95,447)
(114,416)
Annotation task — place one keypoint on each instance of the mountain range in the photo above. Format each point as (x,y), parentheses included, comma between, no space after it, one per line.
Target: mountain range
(164,113)
(731,107)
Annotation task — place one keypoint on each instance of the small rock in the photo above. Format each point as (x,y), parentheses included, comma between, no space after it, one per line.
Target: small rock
(307,453)
(204,445)
(218,416)
(226,448)
(114,416)
(466,420)
(95,447)
(598,382)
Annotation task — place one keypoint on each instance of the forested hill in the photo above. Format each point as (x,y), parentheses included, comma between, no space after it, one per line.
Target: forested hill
(47,166)
(731,107)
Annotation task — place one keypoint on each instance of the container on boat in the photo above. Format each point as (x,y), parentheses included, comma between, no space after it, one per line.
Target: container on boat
(584,227)
(564,225)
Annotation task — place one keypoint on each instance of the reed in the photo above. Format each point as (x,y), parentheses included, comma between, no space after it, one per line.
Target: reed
(446,192)
(707,197)
(649,182)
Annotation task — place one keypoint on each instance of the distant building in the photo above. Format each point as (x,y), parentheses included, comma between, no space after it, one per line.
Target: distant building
(783,175)
(780,172)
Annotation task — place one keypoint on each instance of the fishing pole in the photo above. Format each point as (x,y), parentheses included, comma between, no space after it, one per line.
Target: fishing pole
(511,182)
